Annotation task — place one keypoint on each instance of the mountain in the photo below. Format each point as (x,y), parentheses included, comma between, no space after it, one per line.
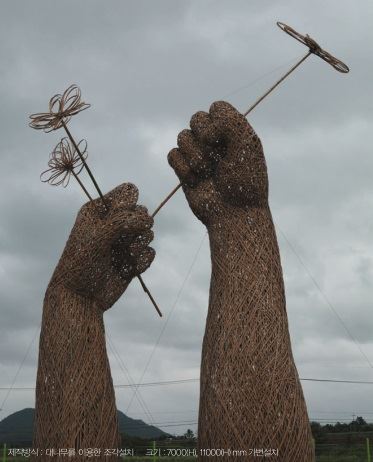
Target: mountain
(133,427)
(17,428)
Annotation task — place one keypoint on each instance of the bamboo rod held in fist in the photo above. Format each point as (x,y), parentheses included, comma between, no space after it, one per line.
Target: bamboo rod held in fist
(314,48)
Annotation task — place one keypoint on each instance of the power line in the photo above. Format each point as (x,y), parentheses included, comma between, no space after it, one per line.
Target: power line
(126,372)
(167,422)
(326,299)
(169,315)
(365,382)
(182,411)
(19,368)
(194,422)
(267,74)
(345,412)
(330,420)
(170,423)
(166,382)
(191,380)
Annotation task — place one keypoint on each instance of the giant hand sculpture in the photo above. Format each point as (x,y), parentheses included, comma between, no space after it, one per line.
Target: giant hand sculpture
(250,397)
(75,402)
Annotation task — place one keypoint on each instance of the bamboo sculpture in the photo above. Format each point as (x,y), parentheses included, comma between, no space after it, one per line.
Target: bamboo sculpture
(107,248)
(251,399)
(75,401)
(251,396)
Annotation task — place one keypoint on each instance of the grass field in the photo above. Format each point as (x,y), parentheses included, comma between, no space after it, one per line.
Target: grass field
(341,453)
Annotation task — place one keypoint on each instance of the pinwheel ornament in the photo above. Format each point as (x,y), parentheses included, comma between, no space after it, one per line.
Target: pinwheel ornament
(69,157)
(313,48)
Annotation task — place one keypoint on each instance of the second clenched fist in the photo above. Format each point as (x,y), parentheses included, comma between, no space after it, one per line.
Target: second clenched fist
(107,248)
(220,162)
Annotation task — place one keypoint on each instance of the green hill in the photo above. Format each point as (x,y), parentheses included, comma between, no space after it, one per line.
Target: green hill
(138,428)
(17,428)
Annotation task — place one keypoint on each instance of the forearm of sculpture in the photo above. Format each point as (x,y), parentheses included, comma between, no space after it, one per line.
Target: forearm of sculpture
(246,280)
(248,374)
(75,402)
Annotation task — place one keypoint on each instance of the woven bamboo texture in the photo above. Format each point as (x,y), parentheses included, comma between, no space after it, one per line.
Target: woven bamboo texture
(250,396)
(75,401)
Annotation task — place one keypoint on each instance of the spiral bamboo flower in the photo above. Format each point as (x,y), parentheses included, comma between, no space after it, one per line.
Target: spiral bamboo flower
(64,162)
(61,109)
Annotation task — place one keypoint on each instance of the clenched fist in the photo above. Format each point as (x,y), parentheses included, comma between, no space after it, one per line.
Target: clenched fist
(107,248)
(221,164)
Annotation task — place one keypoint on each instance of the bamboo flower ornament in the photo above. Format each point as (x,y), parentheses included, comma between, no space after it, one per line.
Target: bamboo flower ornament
(69,157)
(65,161)
(61,109)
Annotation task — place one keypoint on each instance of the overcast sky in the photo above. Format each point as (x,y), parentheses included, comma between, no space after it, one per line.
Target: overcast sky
(146,67)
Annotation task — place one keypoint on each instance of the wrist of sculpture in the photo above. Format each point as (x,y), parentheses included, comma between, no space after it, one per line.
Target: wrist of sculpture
(57,289)
(229,217)
(238,230)
(62,279)
(63,283)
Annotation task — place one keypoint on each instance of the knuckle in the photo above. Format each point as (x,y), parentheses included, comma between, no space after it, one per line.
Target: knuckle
(142,209)
(129,189)
(220,106)
(183,137)
(172,156)
(150,235)
(151,253)
(215,107)
(199,120)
